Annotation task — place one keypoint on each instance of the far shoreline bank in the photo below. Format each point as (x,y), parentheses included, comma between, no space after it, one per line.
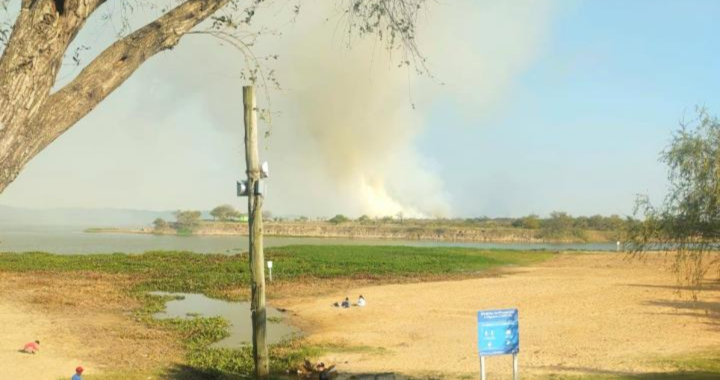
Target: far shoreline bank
(411,233)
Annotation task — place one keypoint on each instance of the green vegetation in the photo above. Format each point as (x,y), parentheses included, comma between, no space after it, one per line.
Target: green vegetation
(530,222)
(160,224)
(187,221)
(211,274)
(560,226)
(204,362)
(688,223)
(337,219)
(225,213)
(391,261)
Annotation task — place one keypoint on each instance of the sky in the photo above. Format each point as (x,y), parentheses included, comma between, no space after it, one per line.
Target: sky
(535,106)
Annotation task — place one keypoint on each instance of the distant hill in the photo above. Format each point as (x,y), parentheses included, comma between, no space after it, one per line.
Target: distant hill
(80,217)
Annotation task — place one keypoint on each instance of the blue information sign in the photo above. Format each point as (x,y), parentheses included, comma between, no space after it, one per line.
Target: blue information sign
(498,332)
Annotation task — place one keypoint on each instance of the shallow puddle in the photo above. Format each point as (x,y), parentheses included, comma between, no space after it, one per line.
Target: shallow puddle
(237,313)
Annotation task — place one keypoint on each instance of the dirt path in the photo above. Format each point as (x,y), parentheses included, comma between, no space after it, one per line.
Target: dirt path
(59,351)
(578,313)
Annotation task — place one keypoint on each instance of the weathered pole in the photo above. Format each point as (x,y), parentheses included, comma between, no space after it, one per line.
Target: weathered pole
(257,256)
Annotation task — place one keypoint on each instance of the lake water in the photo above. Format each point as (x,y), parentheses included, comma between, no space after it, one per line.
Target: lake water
(237,313)
(68,240)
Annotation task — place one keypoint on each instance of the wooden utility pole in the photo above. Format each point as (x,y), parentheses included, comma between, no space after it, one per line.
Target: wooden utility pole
(257,256)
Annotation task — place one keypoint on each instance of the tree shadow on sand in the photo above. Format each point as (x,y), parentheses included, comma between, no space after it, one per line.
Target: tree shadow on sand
(185,372)
(707,286)
(595,374)
(707,310)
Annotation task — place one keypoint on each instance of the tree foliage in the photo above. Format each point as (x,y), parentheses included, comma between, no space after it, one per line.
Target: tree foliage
(530,222)
(186,221)
(224,213)
(687,224)
(160,224)
(560,225)
(338,219)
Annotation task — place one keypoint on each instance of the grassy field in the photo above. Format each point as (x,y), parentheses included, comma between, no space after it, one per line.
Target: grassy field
(213,274)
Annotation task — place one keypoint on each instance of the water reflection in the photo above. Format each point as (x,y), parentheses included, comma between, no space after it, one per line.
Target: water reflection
(237,313)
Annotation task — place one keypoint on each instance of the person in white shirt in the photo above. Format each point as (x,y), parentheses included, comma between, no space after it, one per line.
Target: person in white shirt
(361,301)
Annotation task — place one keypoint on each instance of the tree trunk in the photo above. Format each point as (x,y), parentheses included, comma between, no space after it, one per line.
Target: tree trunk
(28,70)
(31,117)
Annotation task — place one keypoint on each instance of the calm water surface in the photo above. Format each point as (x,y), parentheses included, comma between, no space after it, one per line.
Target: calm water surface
(237,313)
(67,240)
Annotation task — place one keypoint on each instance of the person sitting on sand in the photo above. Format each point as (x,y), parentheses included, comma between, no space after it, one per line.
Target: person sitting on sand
(361,301)
(78,373)
(32,347)
(346,303)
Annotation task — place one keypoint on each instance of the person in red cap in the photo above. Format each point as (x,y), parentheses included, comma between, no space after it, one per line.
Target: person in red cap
(78,373)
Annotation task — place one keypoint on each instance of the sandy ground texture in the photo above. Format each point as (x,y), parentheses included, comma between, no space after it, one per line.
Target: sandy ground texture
(83,319)
(591,313)
(59,353)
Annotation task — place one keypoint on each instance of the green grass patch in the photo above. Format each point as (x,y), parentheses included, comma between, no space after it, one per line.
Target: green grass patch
(275,319)
(211,273)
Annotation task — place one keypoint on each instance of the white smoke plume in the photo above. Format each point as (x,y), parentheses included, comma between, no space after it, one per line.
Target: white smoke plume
(354,107)
(343,141)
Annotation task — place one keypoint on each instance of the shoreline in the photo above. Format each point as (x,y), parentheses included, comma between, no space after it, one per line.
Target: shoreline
(380,232)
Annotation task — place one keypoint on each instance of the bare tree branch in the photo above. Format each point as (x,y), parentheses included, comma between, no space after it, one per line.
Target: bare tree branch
(58,112)
(31,117)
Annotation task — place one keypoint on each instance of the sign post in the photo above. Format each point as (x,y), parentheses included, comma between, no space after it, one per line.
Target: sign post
(498,334)
(269,264)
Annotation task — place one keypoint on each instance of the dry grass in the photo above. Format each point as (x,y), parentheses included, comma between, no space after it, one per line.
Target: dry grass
(97,308)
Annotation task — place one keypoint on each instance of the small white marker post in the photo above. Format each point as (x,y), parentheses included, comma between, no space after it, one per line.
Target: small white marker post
(269,264)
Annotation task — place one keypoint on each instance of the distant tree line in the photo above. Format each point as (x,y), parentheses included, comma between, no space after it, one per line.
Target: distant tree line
(557,225)
(186,221)
(561,223)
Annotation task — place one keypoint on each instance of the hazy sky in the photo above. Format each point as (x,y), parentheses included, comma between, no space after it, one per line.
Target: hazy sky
(537,106)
